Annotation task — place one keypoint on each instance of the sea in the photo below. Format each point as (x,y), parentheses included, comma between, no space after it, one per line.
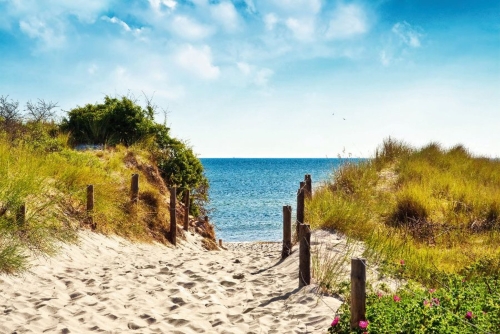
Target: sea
(247,195)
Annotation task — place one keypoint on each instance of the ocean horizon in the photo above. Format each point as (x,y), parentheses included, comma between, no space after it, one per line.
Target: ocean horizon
(247,194)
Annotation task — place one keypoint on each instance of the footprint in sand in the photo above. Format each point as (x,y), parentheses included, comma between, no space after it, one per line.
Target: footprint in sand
(133,326)
(149,319)
(187,285)
(227,283)
(76,295)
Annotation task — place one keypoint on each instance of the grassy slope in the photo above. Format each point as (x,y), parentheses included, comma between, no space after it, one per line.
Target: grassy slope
(53,186)
(437,209)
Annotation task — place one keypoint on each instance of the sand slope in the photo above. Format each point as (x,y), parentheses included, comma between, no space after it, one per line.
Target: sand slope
(109,285)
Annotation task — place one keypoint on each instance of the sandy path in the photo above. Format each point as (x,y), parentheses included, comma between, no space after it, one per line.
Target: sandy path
(107,284)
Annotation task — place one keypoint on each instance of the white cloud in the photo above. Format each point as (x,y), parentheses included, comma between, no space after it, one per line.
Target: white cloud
(137,32)
(117,21)
(244,68)
(257,76)
(37,28)
(225,14)
(347,21)
(409,35)
(303,29)
(198,61)
(158,5)
(270,21)
(190,29)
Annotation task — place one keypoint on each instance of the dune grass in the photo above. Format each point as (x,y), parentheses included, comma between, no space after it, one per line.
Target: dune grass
(52,186)
(437,209)
(429,217)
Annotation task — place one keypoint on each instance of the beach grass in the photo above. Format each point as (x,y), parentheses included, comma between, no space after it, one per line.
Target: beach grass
(437,209)
(429,218)
(52,186)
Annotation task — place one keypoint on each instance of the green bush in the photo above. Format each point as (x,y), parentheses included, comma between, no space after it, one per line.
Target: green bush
(116,121)
(461,306)
(122,121)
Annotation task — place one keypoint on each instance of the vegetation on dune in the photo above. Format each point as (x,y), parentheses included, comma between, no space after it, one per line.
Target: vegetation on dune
(428,215)
(41,171)
(437,209)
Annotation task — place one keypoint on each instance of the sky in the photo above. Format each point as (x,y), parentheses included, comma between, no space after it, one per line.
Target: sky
(269,78)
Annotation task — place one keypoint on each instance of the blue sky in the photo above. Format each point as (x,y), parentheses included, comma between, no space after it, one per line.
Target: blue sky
(274,78)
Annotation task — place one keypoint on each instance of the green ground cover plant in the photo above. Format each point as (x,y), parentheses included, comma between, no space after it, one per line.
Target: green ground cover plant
(435,209)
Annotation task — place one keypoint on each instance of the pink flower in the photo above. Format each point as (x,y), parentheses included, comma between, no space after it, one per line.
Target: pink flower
(363,324)
(431,291)
(396,298)
(335,321)
(468,315)
(435,301)
(379,294)
(402,262)
(427,303)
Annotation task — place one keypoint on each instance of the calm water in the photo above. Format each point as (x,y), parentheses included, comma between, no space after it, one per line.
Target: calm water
(247,195)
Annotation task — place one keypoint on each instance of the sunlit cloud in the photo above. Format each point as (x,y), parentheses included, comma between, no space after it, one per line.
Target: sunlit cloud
(302,29)
(407,34)
(117,21)
(347,21)
(190,29)
(49,33)
(256,76)
(226,15)
(270,20)
(159,5)
(198,61)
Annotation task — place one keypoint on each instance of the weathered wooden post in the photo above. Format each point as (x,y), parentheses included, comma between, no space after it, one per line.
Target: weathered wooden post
(287,231)
(308,180)
(90,205)
(358,291)
(186,209)
(21,215)
(220,243)
(300,207)
(173,222)
(134,188)
(304,255)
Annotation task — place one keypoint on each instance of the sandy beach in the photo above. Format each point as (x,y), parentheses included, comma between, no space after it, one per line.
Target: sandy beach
(110,285)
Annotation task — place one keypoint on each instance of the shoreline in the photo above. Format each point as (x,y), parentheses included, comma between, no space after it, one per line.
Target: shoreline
(111,285)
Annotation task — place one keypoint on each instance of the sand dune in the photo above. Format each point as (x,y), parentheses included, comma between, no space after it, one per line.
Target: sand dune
(110,285)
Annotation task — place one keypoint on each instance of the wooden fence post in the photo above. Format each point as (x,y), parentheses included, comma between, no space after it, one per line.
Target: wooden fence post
(186,209)
(21,215)
(308,180)
(173,222)
(358,291)
(134,188)
(300,207)
(287,231)
(90,205)
(220,243)
(304,255)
